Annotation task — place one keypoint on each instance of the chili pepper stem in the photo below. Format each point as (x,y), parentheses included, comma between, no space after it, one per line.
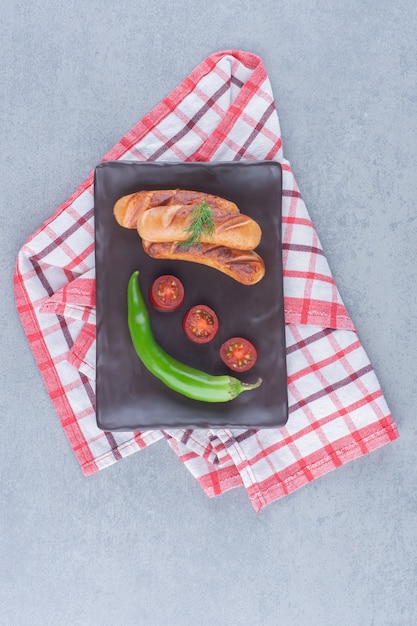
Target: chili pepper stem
(237,387)
(248,386)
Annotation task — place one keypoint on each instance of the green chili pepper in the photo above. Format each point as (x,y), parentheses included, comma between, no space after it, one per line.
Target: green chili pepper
(178,376)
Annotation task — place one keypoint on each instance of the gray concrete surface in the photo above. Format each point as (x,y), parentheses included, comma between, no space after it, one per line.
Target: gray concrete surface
(139,543)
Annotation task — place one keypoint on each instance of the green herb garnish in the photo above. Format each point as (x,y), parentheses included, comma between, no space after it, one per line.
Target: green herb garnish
(201,224)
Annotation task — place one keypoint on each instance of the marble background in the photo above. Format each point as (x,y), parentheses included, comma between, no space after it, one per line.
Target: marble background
(140,543)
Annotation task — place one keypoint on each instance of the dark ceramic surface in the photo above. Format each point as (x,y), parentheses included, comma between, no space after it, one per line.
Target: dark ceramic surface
(128,396)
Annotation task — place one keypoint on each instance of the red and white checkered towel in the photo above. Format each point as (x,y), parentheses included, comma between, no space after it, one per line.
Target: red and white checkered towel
(224,110)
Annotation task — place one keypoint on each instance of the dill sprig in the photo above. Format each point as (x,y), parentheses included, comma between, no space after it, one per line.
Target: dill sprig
(201,224)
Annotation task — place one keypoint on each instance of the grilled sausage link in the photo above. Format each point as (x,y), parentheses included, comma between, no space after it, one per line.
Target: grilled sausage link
(246,267)
(172,223)
(128,208)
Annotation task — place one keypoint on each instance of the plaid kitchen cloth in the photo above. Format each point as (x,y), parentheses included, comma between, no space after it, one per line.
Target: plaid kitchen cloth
(223,111)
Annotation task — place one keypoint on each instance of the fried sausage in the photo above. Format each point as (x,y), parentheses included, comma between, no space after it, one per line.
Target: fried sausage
(128,208)
(247,267)
(172,223)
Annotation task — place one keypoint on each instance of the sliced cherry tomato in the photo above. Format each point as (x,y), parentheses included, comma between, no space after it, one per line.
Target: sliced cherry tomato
(238,354)
(166,293)
(201,324)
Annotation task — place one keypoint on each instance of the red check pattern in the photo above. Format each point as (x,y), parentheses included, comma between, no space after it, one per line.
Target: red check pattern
(224,110)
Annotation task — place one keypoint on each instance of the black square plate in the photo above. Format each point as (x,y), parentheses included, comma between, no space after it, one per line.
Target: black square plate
(129,398)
